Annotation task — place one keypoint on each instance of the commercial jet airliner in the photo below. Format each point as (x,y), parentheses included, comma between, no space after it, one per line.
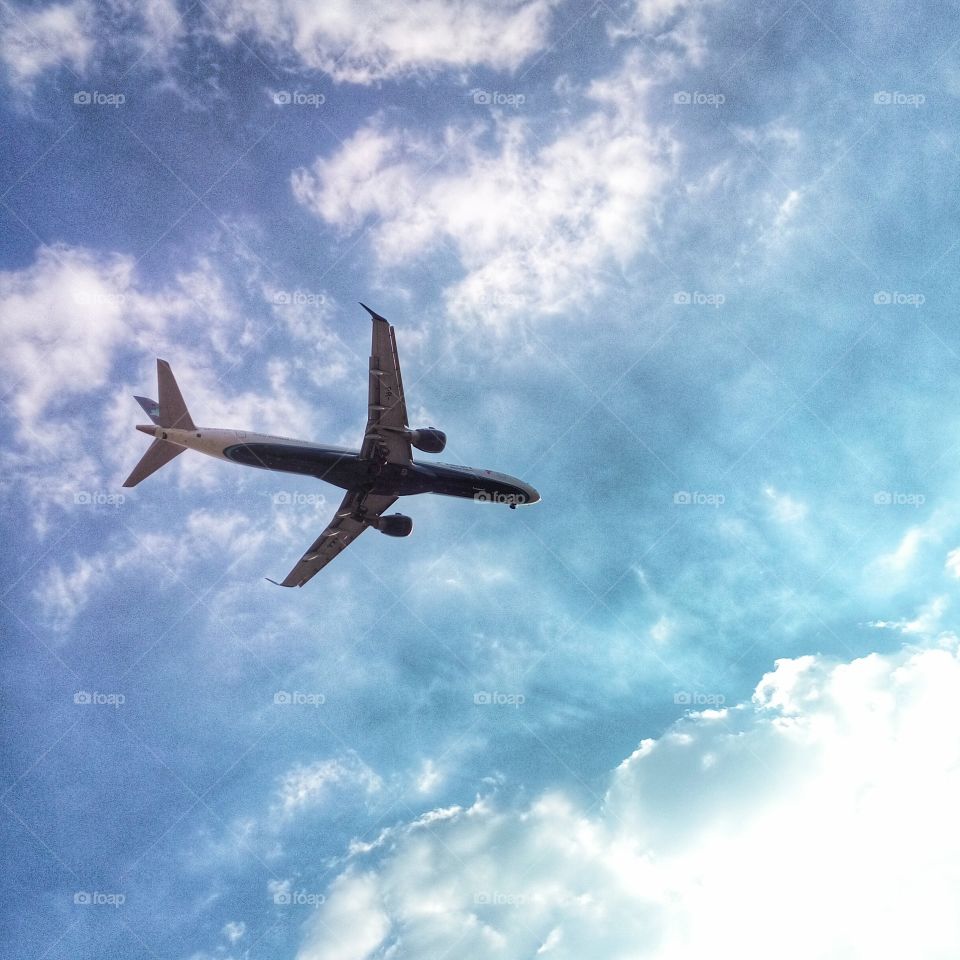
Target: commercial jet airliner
(374,477)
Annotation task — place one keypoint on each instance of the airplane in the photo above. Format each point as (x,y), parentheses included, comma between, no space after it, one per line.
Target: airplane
(374,477)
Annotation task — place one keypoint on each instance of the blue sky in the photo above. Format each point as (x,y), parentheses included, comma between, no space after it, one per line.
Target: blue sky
(690,270)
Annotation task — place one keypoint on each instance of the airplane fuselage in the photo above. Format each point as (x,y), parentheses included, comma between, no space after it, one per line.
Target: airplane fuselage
(344,468)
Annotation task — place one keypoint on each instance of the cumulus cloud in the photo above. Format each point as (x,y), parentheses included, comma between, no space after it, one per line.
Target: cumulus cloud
(70,320)
(534,224)
(362,43)
(788,824)
(63,317)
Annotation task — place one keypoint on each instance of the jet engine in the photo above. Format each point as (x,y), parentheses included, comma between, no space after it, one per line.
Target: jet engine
(428,439)
(395,525)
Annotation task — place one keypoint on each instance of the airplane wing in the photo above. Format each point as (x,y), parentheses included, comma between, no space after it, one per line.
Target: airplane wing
(386,410)
(355,513)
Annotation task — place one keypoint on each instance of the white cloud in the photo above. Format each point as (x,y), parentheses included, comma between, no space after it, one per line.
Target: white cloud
(63,594)
(77,35)
(362,43)
(925,624)
(674,29)
(429,777)
(307,785)
(234,930)
(786,509)
(68,318)
(63,590)
(534,225)
(33,41)
(63,317)
(355,922)
(786,824)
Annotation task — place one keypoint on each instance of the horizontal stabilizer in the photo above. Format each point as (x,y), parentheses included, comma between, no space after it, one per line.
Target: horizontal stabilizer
(160,453)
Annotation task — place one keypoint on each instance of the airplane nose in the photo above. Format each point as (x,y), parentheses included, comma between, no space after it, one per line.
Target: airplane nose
(532,495)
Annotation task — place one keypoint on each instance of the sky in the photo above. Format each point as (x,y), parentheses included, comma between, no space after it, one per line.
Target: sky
(688,268)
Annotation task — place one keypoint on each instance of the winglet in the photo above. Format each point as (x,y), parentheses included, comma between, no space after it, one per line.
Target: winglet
(274,582)
(374,316)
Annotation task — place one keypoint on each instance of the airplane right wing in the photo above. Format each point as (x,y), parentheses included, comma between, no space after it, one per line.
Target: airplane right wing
(386,407)
(355,513)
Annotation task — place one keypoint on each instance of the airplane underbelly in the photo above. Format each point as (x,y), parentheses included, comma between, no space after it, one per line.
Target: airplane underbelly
(342,469)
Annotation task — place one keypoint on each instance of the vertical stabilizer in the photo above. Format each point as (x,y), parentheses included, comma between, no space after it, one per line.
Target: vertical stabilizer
(173,411)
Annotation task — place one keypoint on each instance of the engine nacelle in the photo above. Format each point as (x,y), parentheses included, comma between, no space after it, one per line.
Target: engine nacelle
(428,439)
(395,525)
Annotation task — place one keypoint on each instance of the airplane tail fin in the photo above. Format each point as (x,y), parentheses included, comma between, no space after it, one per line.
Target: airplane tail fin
(171,412)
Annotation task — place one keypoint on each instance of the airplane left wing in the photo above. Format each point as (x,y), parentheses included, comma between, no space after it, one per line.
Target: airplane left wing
(386,408)
(355,513)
